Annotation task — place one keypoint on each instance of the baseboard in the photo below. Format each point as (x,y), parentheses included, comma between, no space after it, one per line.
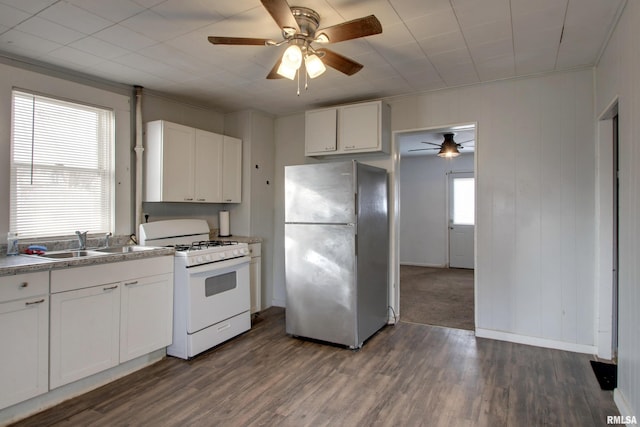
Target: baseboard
(535,341)
(622,403)
(278,303)
(420,264)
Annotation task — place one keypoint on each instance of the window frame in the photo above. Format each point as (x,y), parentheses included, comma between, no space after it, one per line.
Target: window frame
(108,172)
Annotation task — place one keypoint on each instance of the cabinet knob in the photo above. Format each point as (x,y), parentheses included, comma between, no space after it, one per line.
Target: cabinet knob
(108,288)
(187,199)
(135,282)
(40,301)
(201,200)
(24,284)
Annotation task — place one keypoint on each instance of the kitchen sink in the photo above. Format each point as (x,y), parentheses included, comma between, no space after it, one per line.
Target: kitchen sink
(71,254)
(124,249)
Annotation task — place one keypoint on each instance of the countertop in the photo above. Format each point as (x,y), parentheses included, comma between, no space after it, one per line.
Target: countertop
(18,264)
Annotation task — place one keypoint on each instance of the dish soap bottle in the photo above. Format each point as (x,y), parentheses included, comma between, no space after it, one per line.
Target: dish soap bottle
(12,243)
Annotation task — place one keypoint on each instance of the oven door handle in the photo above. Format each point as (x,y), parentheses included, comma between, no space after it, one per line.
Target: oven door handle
(218,265)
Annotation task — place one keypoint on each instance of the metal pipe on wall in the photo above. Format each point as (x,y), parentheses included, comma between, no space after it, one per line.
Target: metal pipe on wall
(139,149)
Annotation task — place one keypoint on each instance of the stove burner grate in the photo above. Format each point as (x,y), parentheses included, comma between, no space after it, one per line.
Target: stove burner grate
(204,244)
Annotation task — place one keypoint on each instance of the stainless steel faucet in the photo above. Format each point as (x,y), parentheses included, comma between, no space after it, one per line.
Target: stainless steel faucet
(106,239)
(82,239)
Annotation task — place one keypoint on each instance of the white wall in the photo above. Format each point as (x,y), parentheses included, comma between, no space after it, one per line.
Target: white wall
(423,207)
(254,216)
(618,77)
(535,230)
(118,100)
(535,206)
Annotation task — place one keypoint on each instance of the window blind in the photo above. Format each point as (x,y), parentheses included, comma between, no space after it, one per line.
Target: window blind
(62,169)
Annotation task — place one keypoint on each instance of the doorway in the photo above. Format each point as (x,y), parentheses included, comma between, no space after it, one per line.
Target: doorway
(436,227)
(608,234)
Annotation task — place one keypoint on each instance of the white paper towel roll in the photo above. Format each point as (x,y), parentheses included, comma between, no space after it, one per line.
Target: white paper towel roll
(224,223)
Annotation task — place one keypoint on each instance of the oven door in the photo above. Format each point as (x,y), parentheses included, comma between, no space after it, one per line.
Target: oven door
(217,292)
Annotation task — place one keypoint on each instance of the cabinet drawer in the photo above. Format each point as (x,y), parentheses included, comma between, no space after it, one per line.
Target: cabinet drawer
(255,249)
(24,285)
(74,278)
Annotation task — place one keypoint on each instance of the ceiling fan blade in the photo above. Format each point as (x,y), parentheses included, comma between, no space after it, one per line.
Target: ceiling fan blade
(361,27)
(339,62)
(238,41)
(281,13)
(423,149)
(432,143)
(273,74)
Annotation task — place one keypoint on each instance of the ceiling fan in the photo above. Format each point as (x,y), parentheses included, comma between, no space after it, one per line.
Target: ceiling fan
(448,147)
(299,30)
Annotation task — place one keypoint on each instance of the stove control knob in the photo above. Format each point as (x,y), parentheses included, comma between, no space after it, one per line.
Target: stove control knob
(235,252)
(200,260)
(208,258)
(221,254)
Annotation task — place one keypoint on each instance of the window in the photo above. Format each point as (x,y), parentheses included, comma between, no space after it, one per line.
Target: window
(463,201)
(62,169)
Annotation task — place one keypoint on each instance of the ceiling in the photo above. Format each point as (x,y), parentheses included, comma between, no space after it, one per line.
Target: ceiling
(425,45)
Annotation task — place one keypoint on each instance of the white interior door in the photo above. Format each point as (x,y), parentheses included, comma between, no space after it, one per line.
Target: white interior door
(461,219)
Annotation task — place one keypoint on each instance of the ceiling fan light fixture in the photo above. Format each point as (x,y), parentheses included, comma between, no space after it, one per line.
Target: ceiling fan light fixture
(448,153)
(292,56)
(314,65)
(287,72)
(322,38)
(449,147)
(291,61)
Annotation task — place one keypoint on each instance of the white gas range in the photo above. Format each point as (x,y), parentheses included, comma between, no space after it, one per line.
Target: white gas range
(211,284)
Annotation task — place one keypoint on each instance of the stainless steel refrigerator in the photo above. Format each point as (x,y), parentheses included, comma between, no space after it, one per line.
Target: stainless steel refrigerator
(336,251)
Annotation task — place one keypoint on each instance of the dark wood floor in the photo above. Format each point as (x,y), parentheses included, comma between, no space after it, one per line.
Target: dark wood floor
(437,296)
(406,375)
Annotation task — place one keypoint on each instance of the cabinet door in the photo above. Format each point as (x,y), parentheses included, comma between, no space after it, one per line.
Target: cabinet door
(84,332)
(24,334)
(178,169)
(320,131)
(359,127)
(255,267)
(146,322)
(208,167)
(232,170)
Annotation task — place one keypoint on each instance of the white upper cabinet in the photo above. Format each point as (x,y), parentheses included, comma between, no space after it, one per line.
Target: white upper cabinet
(184,164)
(320,131)
(348,129)
(173,146)
(208,173)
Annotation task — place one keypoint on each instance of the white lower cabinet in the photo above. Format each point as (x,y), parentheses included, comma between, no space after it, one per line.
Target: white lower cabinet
(84,332)
(255,275)
(24,333)
(96,326)
(146,317)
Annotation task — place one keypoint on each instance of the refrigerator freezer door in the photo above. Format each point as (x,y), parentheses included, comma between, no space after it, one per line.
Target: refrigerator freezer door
(320,282)
(320,193)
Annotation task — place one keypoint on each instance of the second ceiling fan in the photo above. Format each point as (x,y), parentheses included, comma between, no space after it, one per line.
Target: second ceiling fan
(299,27)
(448,147)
